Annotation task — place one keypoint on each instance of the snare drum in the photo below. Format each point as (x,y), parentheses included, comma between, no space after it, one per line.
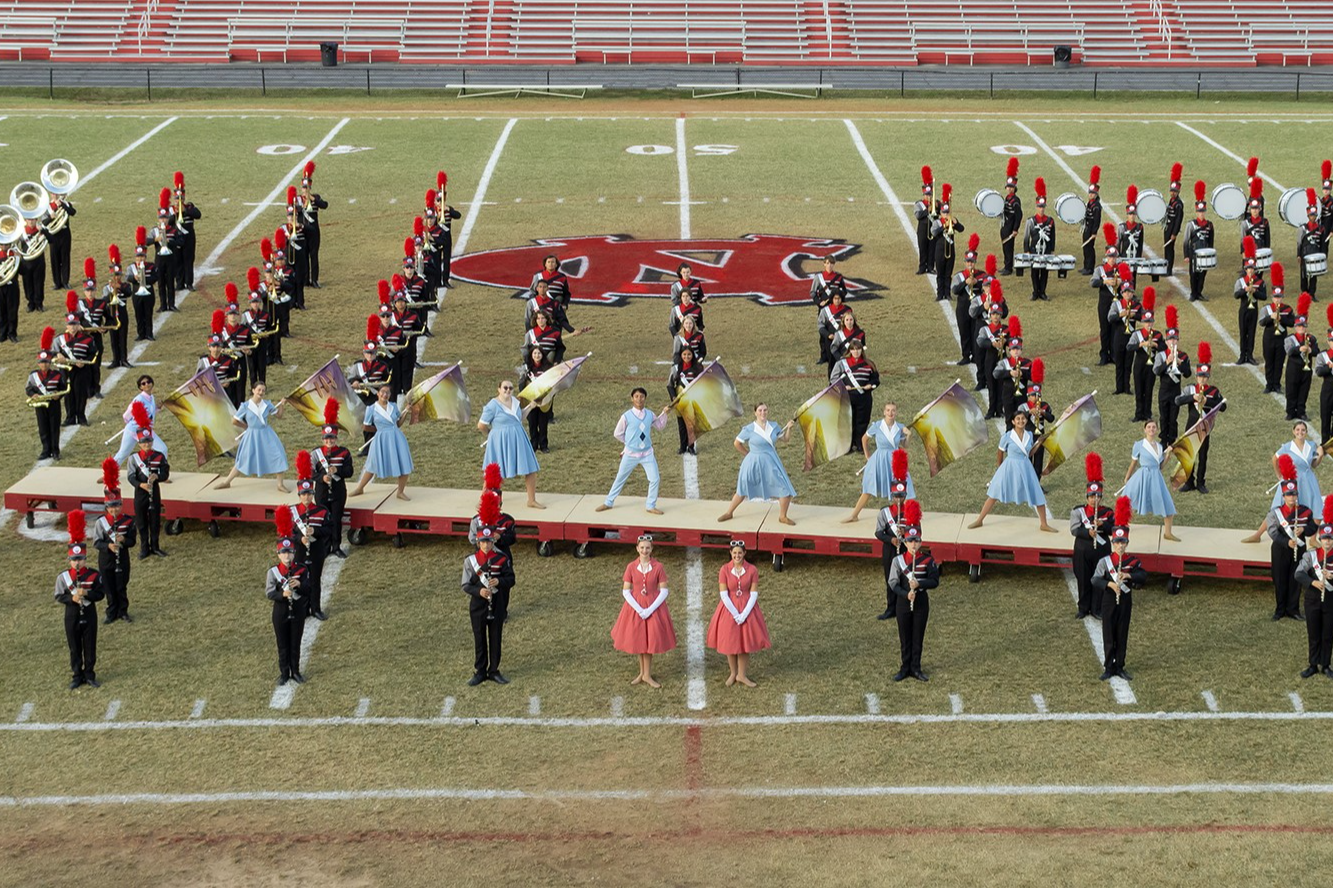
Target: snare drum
(1062,263)
(1154,267)
(1229,201)
(1316,264)
(989,203)
(1205,258)
(1151,206)
(1024,261)
(1069,209)
(1291,207)
(1263,257)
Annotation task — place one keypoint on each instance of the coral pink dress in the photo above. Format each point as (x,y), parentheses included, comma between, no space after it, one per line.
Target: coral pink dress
(724,634)
(631,632)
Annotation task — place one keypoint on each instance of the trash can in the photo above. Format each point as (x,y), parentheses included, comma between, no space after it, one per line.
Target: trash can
(328,55)
(1062,57)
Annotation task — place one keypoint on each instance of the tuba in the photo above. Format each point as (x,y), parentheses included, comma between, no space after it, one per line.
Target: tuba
(59,177)
(31,200)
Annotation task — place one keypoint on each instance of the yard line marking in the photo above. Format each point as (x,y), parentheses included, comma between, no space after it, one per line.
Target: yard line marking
(617,707)
(1297,704)
(581,795)
(535,706)
(25,712)
(198,710)
(1231,154)
(447,708)
(112,709)
(789,705)
(1210,701)
(956,704)
(683,177)
(908,227)
(1119,687)
(872,704)
(363,707)
(1175,281)
(1039,701)
(109,162)
(478,199)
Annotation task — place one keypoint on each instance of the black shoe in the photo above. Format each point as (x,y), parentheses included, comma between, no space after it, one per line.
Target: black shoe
(298,679)
(1201,488)
(1081,615)
(1106,674)
(1328,672)
(319,614)
(1006,271)
(159,552)
(920,271)
(963,362)
(1125,675)
(45,455)
(1105,361)
(900,676)
(126,617)
(75,683)
(1309,671)
(920,677)
(498,678)
(887,615)
(1087,273)
(691,450)
(109,619)
(339,553)
(477,679)
(682,451)
(1276,617)
(143,554)
(314,284)
(1297,616)
(544,449)
(282,680)
(1188,486)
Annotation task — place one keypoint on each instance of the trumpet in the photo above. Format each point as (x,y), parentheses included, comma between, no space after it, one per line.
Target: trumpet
(44,400)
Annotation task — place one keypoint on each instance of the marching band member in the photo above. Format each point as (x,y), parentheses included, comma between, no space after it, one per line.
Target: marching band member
(1250,292)
(1129,235)
(1144,485)
(169,246)
(861,378)
(688,338)
(644,624)
(187,214)
(968,289)
(1326,202)
(1091,526)
(439,228)
(1313,574)
(1174,219)
(279,289)
(413,326)
(889,528)
(989,350)
(146,471)
(1323,367)
(77,349)
(942,232)
(926,213)
(880,473)
(284,586)
(1106,278)
(1039,239)
(1255,225)
(259,452)
(847,333)
(506,444)
(1092,221)
(1198,236)
(237,337)
(1038,412)
(1312,239)
(492,497)
(488,579)
(129,437)
(1289,523)
(446,215)
(394,342)
(1117,576)
(113,537)
(227,367)
(686,308)
(1015,481)
(1252,176)
(316,532)
(1012,374)
(96,312)
(1144,345)
(634,430)
(684,282)
(413,283)
(333,463)
(829,322)
(1011,219)
(912,576)
(79,589)
(1172,366)
(761,475)
(389,455)
(371,372)
(557,284)
(32,264)
(142,278)
(260,324)
(9,294)
(1276,318)
(117,294)
(1300,347)
(738,628)
(58,237)
(826,289)
(309,204)
(544,302)
(535,363)
(1123,315)
(45,387)
(683,373)
(289,240)
(1201,397)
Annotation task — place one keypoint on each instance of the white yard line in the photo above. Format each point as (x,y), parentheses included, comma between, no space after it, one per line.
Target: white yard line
(534,705)
(1243,161)
(447,708)
(198,709)
(1119,687)
(111,161)
(1039,701)
(112,710)
(956,704)
(1297,705)
(872,704)
(25,712)
(363,707)
(789,704)
(1210,701)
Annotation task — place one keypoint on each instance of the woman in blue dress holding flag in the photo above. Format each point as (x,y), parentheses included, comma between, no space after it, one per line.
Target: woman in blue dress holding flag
(876,478)
(258,450)
(1015,480)
(762,476)
(389,455)
(1305,455)
(507,445)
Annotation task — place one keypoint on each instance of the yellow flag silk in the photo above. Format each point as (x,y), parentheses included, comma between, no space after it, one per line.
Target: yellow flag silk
(826,425)
(1079,426)
(542,389)
(708,401)
(203,408)
(950,427)
(325,383)
(1185,452)
(440,397)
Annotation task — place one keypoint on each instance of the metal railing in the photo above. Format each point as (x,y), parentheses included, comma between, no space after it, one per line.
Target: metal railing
(1157,8)
(146,23)
(278,32)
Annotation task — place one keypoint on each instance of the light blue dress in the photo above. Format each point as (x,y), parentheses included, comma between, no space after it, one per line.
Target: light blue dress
(389,455)
(1147,489)
(259,452)
(1307,485)
(1015,481)
(128,439)
(508,444)
(762,476)
(878,473)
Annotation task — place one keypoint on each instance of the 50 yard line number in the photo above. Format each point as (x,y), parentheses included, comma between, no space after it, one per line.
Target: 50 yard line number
(667,149)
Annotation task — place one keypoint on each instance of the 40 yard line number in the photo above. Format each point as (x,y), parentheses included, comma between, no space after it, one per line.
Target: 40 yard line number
(667,149)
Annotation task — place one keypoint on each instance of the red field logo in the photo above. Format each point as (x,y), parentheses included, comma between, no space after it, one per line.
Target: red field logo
(609,269)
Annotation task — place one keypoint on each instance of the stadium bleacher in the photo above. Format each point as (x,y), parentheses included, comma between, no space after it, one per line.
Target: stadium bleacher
(1235,33)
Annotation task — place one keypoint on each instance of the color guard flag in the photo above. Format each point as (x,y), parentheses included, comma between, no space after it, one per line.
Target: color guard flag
(1185,452)
(325,383)
(708,401)
(950,427)
(1079,426)
(542,389)
(826,425)
(440,397)
(204,409)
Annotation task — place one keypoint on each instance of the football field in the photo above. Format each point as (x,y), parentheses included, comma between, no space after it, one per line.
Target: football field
(1013,764)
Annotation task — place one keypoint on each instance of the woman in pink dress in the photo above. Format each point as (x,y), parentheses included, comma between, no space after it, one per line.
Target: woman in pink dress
(644,626)
(738,626)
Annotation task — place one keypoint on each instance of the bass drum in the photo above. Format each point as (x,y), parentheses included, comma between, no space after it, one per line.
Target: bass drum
(1229,201)
(1291,207)
(1069,208)
(989,203)
(1152,206)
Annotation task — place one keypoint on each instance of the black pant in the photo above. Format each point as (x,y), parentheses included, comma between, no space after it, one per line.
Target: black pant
(538,422)
(1168,412)
(312,253)
(1007,248)
(143,315)
(1326,410)
(314,596)
(116,585)
(94,370)
(1169,252)
(1090,254)
(1246,318)
(1297,388)
(912,619)
(1115,628)
(59,242)
(487,630)
(684,434)
(862,403)
(1318,628)
(943,274)
(77,399)
(1086,557)
(185,267)
(147,519)
(282,316)
(887,555)
(48,428)
(994,388)
(1038,460)
(1274,355)
(81,636)
(120,336)
(925,249)
(288,627)
(1105,325)
(967,333)
(33,275)
(1039,278)
(9,310)
(1308,282)
(300,275)
(1144,383)
(1197,280)
(334,498)
(1200,473)
(164,272)
(1120,355)
(1286,591)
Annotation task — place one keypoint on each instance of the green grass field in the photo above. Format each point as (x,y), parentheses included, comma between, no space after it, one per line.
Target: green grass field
(1014,764)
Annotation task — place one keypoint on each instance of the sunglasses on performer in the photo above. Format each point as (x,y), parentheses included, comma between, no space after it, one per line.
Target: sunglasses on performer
(740,543)
(645,537)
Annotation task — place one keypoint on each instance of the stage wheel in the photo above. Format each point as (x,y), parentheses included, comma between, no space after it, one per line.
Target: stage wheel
(213,529)
(974,574)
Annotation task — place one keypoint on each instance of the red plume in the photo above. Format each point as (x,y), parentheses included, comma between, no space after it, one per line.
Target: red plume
(140,236)
(1286,468)
(1095,177)
(409,247)
(1092,466)
(430,197)
(398,283)
(1015,326)
(232,293)
(385,295)
(1257,187)
(911,513)
(973,242)
(219,320)
(996,290)
(1039,186)
(1108,232)
(291,195)
(1328,502)
(899,464)
(1149,298)
(1038,371)
(140,414)
(927,176)
(946,192)
(1176,172)
(179,179)
(282,520)
(1247,247)
(1310,198)
(305,467)
(266,249)
(1011,169)
(1123,511)
(1328,313)
(89,268)
(1303,305)
(78,526)
(111,473)
(441,180)
(1125,272)
(1172,317)
(48,338)
(1132,195)
(331,412)
(418,227)
(164,199)
(1205,352)
(1199,189)
(113,254)
(1326,170)
(309,169)
(1277,275)
(488,510)
(280,239)
(372,328)
(71,301)
(992,265)
(492,478)
(1252,166)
